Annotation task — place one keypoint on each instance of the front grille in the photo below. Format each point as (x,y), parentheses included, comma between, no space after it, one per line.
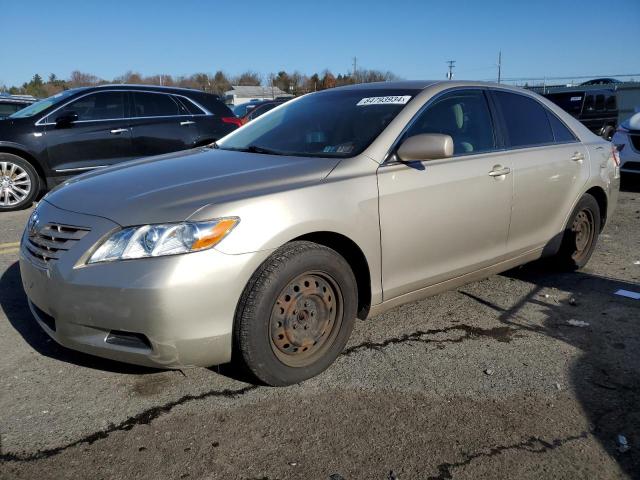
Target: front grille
(49,242)
(635,140)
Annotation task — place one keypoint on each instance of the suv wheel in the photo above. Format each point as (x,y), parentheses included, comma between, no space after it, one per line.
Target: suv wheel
(19,183)
(581,234)
(296,314)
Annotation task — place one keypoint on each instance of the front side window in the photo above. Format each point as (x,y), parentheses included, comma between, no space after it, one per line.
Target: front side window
(95,106)
(154,105)
(525,120)
(332,123)
(464,115)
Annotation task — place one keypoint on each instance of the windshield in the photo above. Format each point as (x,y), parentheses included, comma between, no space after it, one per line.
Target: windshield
(333,123)
(42,105)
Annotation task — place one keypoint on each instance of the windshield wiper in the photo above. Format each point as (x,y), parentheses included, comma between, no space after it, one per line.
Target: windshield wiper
(259,149)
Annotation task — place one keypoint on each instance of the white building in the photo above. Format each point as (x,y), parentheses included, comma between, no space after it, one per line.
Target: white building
(240,94)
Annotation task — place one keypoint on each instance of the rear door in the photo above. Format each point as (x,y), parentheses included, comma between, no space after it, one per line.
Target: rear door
(99,137)
(159,124)
(550,169)
(440,219)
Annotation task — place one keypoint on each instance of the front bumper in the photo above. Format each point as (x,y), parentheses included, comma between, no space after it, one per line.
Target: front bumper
(629,156)
(184,304)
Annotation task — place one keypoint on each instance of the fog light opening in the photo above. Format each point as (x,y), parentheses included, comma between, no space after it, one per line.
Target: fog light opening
(128,339)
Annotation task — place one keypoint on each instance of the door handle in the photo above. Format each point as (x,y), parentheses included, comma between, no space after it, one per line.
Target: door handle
(187,122)
(499,171)
(577,157)
(118,131)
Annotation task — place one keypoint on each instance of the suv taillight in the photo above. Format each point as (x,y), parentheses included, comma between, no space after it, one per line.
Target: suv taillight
(233,120)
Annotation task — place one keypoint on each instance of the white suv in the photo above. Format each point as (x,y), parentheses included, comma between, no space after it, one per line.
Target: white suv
(627,140)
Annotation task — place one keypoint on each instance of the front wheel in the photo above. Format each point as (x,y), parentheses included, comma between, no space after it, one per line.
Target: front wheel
(580,236)
(296,314)
(19,183)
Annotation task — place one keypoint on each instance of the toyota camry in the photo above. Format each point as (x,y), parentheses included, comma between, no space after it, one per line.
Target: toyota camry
(265,247)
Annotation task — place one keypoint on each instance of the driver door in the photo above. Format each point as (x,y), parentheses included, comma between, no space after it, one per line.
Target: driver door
(101,136)
(440,219)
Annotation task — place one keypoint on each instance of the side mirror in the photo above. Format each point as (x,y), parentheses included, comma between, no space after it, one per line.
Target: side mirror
(66,120)
(426,146)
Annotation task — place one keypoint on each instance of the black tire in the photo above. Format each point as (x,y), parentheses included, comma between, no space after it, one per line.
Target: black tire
(295,314)
(7,197)
(580,235)
(607,132)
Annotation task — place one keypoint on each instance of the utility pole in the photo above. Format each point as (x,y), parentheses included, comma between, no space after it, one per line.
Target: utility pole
(355,68)
(499,65)
(452,63)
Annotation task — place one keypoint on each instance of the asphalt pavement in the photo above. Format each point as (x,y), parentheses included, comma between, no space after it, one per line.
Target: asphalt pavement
(532,374)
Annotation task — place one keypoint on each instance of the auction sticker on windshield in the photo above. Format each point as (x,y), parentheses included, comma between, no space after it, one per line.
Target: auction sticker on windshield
(390,100)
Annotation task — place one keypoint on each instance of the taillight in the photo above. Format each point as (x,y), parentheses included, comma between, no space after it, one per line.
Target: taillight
(614,155)
(232,120)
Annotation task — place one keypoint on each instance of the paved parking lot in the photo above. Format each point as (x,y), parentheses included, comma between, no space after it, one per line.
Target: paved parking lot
(499,379)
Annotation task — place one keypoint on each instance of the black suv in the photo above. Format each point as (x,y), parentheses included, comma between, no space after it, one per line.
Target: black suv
(87,128)
(596,109)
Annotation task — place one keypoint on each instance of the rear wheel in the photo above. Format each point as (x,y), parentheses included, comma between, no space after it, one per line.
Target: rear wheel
(19,183)
(580,236)
(296,314)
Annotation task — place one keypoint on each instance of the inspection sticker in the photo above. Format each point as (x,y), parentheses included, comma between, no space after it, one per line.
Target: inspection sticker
(390,100)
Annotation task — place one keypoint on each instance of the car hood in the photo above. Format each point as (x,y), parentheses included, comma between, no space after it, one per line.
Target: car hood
(170,188)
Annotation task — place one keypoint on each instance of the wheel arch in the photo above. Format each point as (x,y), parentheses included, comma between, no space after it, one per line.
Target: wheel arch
(28,157)
(601,197)
(356,259)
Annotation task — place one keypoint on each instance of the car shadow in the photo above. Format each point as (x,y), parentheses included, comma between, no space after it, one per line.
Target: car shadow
(606,377)
(13,301)
(630,182)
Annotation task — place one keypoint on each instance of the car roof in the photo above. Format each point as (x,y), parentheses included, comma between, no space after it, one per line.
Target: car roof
(423,84)
(157,88)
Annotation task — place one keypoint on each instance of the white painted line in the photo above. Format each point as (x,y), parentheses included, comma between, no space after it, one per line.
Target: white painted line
(628,294)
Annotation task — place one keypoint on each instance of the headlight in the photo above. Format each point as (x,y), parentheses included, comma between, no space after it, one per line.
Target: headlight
(159,240)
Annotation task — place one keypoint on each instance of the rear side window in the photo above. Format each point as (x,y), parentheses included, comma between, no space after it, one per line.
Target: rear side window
(464,115)
(561,133)
(154,105)
(525,120)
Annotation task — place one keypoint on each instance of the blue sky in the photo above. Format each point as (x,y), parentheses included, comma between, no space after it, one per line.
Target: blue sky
(411,38)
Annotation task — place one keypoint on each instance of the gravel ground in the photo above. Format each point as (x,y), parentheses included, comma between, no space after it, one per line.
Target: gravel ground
(494,380)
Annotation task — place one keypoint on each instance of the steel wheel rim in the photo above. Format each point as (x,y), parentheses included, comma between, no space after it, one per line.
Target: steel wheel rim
(583,233)
(305,319)
(15,184)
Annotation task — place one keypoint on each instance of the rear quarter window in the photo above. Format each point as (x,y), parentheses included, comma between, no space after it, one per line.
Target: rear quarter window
(561,132)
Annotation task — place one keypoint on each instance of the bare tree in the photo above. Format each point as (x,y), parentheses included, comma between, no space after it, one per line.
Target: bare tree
(248,78)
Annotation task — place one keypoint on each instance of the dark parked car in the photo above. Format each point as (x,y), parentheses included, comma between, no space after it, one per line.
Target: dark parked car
(596,109)
(10,104)
(260,108)
(88,128)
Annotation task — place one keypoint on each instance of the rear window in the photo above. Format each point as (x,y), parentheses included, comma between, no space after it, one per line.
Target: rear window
(525,120)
